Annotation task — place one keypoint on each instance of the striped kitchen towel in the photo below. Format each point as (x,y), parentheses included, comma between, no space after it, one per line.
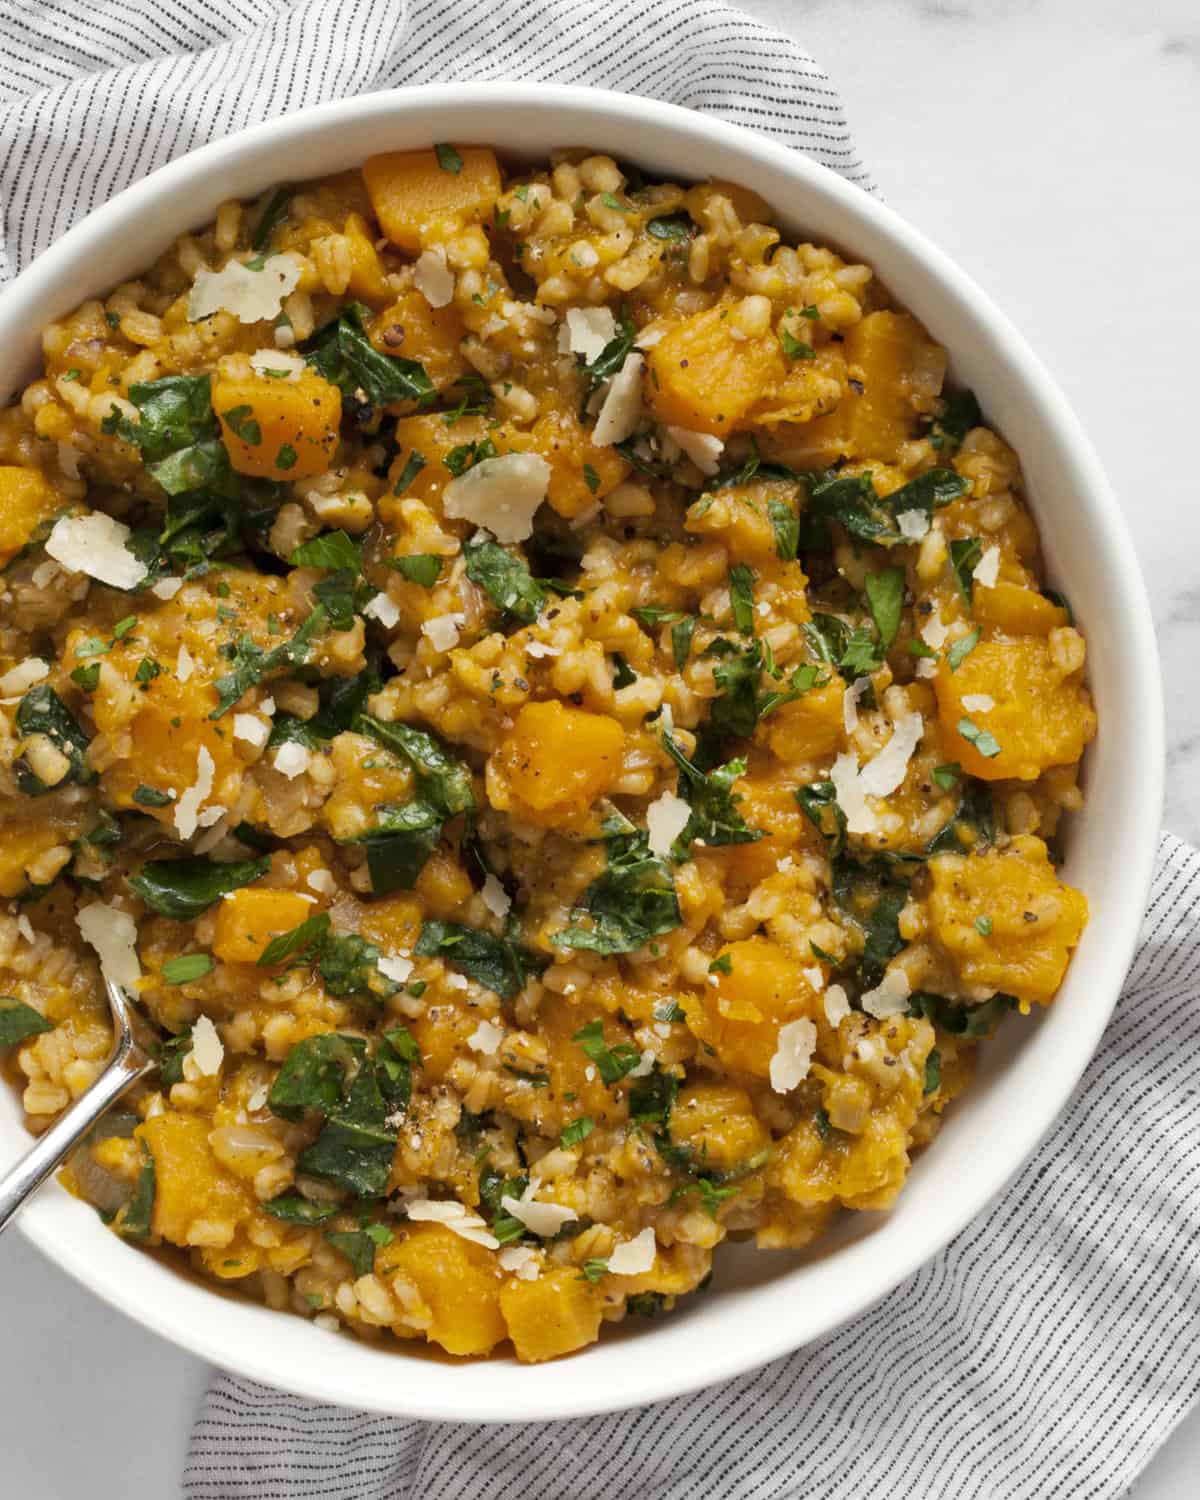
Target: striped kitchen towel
(1052,1347)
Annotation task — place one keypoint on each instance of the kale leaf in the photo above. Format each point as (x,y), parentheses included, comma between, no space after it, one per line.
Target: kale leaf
(42,711)
(633,901)
(19,1021)
(345,356)
(183,888)
(506,581)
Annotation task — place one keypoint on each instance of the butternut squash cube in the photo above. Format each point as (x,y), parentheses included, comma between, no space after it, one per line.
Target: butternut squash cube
(458,1280)
(418,201)
(759,988)
(554,762)
(26,501)
(1035,918)
(1015,610)
(248,919)
(191,1187)
(278,428)
(809,727)
(566,445)
(1040,717)
(704,379)
(368,281)
(556,1314)
(409,328)
(718,1122)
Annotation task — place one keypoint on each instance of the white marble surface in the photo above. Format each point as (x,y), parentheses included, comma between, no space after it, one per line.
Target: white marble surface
(1049,146)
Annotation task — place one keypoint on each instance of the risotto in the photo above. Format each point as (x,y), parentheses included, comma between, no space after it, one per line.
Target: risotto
(547,700)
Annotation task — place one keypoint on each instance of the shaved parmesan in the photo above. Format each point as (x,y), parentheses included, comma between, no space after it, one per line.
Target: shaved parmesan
(113,934)
(486,1038)
(207,1050)
(850,702)
(815,978)
(890,996)
(25,928)
(587,330)
(252,729)
(277,365)
(934,633)
(987,569)
(433,278)
(622,405)
(850,796)
(95,545)
(393,967)
(383,607)
(645,1066)
(837,1006)
(520,1261)
(913,524)
(166,588)
(649,337)
(187,809)
(184,664)
(926,668)
(666,818)
(978,703)
(702,448)
(634,1257)
(793,1054)
(501,493)
(323,881)
(455,1217)
(291,759)
(539,649)
(251,296)
(442,632)
(495,897)
(884,773)
(542,1219)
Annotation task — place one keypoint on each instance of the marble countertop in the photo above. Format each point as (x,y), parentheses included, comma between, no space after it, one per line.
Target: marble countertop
(1048,146)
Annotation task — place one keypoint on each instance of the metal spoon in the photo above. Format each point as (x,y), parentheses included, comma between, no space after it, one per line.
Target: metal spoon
(132,1058)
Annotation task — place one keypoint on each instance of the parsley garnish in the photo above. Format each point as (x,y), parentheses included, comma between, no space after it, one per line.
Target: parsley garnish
(448,158)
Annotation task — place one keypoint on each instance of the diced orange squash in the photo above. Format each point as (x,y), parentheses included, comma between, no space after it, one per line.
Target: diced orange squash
(443,885)
(717,1121)
(1015,610)
(890,354)
(22,841)
(1039,718)
(276,428)
(556,1314)
(739,515)
(809,727)
(767,804)
(1036,919)
(418,201)
(741,1014)
(250,918)
(410,329)
(193,1192)
(810,389)
(702,378)
(368,281)
(566,445)
(26,501)
(394,922)
(554,762)
(458,1280)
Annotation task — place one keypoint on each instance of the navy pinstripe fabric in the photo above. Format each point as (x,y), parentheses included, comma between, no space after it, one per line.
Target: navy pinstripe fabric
(1051,1348)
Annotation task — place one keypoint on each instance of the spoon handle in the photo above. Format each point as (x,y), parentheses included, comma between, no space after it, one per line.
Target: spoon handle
(127,1064)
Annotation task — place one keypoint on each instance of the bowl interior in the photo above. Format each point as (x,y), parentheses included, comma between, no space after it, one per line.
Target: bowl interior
(760,1305)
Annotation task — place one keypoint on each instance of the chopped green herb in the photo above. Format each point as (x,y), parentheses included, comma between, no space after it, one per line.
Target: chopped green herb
(42,712)
(965,554)
(612,356)
(983,739)
(722,965)
(633,901)
(184,888)
(240,421)
(412,467)
(933,1072)
(448,158)
(681,640)
(885,599)
(983,926)
(332,550)
(960,412)
(670,227)
(271,217)
(961,649)
(611,1063)
(150,796)
(293,1209)
(785,523)
(286,457)
(505,580)
(651,1099)
(741,597)
(793,347)
(186,967)
(422,568)
(577,1131)
(714,819)
(591,478)
(623,673)
(19,1021)
(820,804)
(947,776)
(501,965)
(593,1269)
(132,1220)
(343,354)
(970,1021)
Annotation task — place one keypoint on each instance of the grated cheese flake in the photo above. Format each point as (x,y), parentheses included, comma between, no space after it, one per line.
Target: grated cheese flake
(458,1219)
(815,977)
(442,632)
(850,795)
(837,1005)
(383,607)
(277,365)
(486,1038)
(520,1261)
(495,897)
(587,330)
(185,664)
(17,681)
(542,1219)
(666,818)
(634,1257)
(166,588)
(889,997)
(978,703)
(850,700)
(113,934)
(95,545)
(645,1065)
(251,296)
(913,524)
(987,569)
(187,809)
(885,771)
(702,448)
(433,278)
(501,493)
(394,967)
(291,759)
(252,729)
(207,1049)
(621,408)
(323,881)
(793,1054)
(934,632)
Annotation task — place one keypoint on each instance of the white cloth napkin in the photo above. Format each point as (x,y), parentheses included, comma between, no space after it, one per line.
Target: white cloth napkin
(1053,1346)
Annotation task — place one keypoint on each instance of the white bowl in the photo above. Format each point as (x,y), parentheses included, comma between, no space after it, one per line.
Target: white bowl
(761,1304)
